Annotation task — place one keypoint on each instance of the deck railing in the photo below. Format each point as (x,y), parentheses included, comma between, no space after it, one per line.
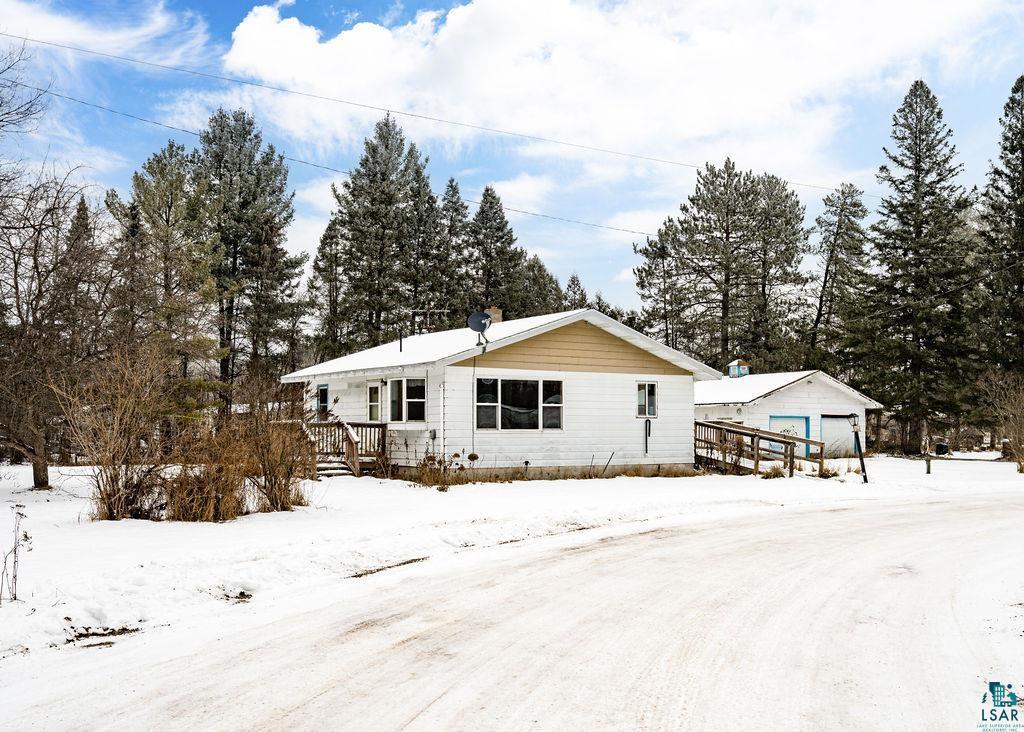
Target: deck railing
(743,449)
(351,441)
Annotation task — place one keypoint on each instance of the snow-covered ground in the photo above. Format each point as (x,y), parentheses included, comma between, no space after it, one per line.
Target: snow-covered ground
(84,577)
(705,602)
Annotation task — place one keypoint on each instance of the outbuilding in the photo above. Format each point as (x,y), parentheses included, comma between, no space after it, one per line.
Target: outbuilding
(808,404)
(560,394)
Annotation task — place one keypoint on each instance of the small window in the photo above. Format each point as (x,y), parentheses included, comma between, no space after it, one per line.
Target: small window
(552,406)
(373,403)
(416,400)
(397,392)
(486,404)
(519,405)
(646,400)
(322,402)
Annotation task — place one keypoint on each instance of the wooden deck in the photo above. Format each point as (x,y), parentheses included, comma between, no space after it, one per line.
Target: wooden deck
(357,444)
(735,448)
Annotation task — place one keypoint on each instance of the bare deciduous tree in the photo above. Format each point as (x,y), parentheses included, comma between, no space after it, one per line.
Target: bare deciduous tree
(54,286)
(1003,393)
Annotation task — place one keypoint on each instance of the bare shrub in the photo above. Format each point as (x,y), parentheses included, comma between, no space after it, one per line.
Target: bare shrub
(826,472)
(278,453)
(775,471)
(442,471)
(113,417)
(1003,393)
(9,567)
(210,482)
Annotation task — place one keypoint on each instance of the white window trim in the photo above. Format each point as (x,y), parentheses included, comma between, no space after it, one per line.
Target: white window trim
(657,400)
(497,405)
(405,400)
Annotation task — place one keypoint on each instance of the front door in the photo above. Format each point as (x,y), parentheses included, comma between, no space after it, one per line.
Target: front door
(796,426)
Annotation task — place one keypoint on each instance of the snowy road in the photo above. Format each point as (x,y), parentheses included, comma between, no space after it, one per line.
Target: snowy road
(869,615)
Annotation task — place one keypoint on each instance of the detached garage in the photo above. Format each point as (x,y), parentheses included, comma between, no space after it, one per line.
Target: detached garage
(808,404)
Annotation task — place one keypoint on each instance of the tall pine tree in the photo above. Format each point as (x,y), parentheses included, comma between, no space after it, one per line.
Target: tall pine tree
(841,249)
(913,338)
(499,265)
(778,241)
(1003,232)
(247,207)
(373,227)
(575,294)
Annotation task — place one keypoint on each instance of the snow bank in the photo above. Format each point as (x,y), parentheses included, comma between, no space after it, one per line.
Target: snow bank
(83,576)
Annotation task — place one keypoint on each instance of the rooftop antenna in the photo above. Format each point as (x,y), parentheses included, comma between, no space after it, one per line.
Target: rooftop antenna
(479,323)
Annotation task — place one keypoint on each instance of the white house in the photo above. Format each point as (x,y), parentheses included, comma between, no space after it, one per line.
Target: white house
(560,392)
(808,404)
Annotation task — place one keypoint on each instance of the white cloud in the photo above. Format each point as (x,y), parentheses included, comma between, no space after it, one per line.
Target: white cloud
(764,82)
(524,191)
(146,30)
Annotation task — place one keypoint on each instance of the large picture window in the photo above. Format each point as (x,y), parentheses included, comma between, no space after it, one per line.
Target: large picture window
(518,404)
(647,399)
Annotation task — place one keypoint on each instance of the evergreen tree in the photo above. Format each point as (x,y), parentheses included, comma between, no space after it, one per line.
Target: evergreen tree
(454,273)
(575,294)
(841,248)
(1003,232)
(247,208)
(170,207)
(372,223)
(711,247)
(327,296)
(914,335)
(133,293)
(543,294)
(601,305)
(778,241)
(499,265)
(656,283)
(426,259)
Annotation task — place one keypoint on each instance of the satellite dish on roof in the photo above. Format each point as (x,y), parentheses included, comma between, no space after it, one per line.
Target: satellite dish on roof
(479,322)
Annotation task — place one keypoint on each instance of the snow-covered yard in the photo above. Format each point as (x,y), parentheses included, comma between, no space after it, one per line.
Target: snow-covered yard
(85,577)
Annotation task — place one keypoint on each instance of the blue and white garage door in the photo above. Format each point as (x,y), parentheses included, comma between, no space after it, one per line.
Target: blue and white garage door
(796,426)
(837,435)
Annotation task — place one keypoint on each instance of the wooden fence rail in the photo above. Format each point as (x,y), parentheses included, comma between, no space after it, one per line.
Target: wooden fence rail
(743,449)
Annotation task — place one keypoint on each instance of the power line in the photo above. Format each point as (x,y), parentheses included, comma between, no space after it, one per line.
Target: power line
(300,161)
(388,110)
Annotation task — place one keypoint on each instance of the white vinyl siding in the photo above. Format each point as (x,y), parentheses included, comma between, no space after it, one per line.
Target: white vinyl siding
(598,421)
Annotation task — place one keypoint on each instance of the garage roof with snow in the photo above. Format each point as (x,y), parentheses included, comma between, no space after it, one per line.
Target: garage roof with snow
(750,388)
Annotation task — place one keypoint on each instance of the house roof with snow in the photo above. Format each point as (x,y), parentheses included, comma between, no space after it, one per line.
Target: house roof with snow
(752,387)
(449,346)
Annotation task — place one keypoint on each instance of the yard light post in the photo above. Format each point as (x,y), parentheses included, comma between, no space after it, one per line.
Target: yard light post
(856,444)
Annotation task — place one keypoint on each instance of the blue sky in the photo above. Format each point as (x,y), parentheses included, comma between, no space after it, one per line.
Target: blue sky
(802,89)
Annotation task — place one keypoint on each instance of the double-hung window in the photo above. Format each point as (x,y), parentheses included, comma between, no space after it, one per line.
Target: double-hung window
(373,402)
(647,399)
(407,400)
(518,404)
(552,405)
(322,402)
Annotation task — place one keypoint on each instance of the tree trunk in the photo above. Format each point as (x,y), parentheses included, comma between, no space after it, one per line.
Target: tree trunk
(914,432)
(40,466)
